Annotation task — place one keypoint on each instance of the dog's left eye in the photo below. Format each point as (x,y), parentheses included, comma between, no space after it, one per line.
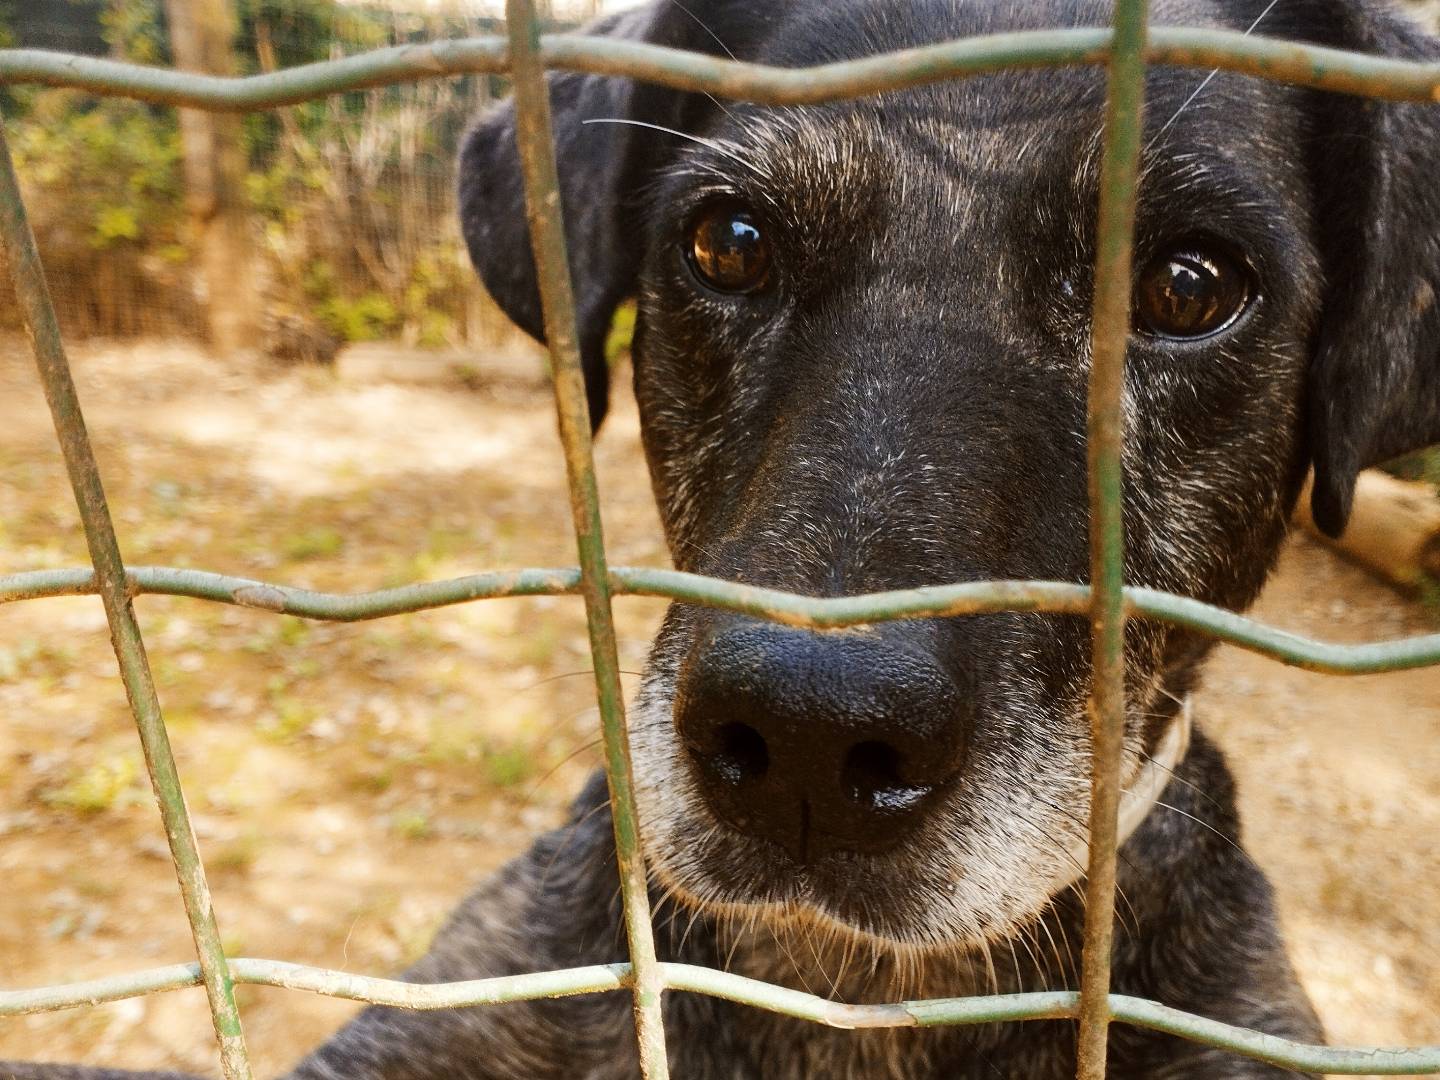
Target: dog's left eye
(1191,292)
(728,250)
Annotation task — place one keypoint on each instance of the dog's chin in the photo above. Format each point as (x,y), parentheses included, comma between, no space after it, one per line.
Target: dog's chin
(882,903)
(845,923)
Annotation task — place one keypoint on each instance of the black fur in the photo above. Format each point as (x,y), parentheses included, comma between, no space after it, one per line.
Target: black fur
(1375,381)
(903,404)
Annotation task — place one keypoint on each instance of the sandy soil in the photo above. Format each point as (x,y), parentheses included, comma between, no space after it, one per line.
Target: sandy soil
(348,782)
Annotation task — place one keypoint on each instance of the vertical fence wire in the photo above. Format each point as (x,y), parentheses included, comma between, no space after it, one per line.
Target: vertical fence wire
(1110,330)
(547,237)
(38,314)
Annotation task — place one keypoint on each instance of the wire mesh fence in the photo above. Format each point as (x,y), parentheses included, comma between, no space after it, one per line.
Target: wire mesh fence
(1126,50)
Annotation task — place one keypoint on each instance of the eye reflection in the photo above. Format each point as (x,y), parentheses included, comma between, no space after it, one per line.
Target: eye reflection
(1190,292)
(728,250)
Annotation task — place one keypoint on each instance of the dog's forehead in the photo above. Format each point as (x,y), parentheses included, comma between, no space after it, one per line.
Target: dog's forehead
(989,141)
(1010,127)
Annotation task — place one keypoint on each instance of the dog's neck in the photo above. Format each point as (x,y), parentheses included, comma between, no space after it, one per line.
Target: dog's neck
(1141,796)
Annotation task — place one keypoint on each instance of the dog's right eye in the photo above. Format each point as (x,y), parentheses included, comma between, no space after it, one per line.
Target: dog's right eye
(728,251)
(1193,291)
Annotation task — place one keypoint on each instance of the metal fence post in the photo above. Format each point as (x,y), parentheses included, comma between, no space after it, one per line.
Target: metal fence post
(38,313)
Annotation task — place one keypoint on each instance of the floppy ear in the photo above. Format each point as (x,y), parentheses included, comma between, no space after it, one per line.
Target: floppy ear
(1374,386)
(601,167)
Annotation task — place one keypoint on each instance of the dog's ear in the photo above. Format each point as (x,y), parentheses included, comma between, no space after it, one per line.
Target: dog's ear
(1374,385)
(601,165)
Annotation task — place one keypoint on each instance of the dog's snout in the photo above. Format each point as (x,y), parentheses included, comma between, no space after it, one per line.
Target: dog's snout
(819,742)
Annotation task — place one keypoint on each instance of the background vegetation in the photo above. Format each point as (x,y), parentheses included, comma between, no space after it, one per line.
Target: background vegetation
(350,198)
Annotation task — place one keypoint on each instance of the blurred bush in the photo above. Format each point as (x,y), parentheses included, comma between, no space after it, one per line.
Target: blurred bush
(103,186)
(352,196)
(1423,465)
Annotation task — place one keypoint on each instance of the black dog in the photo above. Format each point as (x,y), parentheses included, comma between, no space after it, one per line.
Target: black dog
(861,360)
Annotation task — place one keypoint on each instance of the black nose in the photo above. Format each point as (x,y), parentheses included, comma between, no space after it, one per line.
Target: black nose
(819,742)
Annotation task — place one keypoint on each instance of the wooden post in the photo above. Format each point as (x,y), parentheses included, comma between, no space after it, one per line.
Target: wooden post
(202,35)
(1394,529)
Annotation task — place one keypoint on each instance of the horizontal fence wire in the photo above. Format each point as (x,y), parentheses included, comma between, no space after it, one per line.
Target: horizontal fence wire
(937,1012)
(525,55)
(1227,50)
(790,609)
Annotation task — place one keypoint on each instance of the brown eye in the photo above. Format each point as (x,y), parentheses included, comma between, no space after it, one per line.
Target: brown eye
(1190,292)
(728,250)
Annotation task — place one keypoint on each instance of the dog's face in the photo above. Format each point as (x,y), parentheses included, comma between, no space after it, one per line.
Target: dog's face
(861,358)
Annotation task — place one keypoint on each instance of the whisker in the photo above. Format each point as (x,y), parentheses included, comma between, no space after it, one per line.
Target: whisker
(570,675)
(1206,81)
(846,956)
(1202,823)
(791,957)
(701,23)
(709,144)
(820,964)
(992,978)
(1044,924)
(1196,788)
(1015,962)
(570,831)
(589,744)
(723,47)
(1083,869)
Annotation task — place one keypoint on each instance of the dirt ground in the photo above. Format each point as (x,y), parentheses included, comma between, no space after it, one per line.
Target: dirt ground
(348,782)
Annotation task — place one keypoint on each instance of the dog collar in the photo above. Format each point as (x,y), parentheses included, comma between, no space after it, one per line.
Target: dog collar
(1139,797)
(1137,800)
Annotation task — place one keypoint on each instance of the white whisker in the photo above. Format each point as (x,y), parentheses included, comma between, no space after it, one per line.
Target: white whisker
(1207,80)
(701,23)
(709,144)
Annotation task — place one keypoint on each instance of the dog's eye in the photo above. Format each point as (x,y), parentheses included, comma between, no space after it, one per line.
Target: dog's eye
(728,251)
(1191,292)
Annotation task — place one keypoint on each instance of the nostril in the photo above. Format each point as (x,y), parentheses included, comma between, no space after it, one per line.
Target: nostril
(740,755)
(870,775)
